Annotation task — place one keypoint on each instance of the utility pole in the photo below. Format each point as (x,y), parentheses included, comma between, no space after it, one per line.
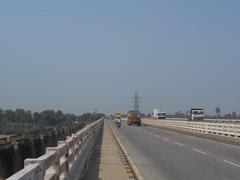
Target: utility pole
(136,101)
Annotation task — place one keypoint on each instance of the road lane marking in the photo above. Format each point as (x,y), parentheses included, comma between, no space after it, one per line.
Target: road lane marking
(152,134)
(138,129)
(199,151)
(179,144)
(229,162)
(165,139)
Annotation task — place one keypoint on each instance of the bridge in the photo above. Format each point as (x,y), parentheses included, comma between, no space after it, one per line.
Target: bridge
(159,149)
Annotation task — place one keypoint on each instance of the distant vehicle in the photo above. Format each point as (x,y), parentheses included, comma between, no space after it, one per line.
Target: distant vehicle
(196,114)
(119,123)
(117,116)
(158,114)
(134,117)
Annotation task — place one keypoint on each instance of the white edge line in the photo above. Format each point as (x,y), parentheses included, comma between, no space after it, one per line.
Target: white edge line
(165,139)
(199,151)
(179,144)
(229,162)
(134,168)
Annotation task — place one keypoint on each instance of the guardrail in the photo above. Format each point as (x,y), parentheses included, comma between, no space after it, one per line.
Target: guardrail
(69,160)
(224,129)
(205,120)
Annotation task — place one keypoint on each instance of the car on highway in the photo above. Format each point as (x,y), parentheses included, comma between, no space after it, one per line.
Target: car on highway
(134,117)
(196,114)
(158,114)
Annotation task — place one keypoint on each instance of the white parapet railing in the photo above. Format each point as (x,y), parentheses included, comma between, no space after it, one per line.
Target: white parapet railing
(208,120)
(224,129)
(69,160)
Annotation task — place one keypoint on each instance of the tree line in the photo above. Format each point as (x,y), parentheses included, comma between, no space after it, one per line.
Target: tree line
(20,120)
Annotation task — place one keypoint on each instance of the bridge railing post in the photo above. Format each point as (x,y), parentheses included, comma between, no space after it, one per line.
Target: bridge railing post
(64,160)
(54,171)
(39,175)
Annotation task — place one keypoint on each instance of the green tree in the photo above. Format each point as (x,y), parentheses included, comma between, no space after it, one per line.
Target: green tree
(234,114)
(10,116)
(20,115)
(49,117)
(217,110)
(1,116)
(37,118)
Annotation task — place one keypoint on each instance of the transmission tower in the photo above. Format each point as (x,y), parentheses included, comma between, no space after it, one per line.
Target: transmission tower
(136,101)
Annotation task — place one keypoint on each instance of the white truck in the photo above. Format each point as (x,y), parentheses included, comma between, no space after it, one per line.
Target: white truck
(158,114)
(196,114)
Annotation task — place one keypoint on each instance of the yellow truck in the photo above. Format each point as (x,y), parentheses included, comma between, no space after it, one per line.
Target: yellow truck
(134,117)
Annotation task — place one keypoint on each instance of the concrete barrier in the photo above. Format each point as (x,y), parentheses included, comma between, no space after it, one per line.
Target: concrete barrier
(205,120)
(223,129)
(69,160)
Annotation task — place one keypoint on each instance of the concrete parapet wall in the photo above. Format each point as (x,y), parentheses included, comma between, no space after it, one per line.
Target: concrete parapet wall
(14,149)
(69,160)
(222,129)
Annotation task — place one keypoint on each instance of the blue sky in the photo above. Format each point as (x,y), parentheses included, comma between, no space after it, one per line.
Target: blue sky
(80,55)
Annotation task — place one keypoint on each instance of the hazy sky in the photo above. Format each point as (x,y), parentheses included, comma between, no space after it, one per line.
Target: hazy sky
(80,55)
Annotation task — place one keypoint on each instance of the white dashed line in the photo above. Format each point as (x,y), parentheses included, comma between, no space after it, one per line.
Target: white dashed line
(149,133)
(179,144)
(229,162)
(199,151)
(165,139)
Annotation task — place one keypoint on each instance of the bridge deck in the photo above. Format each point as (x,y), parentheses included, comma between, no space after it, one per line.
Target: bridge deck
(108,162)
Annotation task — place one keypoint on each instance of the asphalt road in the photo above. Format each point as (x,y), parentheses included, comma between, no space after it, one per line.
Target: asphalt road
(165,155)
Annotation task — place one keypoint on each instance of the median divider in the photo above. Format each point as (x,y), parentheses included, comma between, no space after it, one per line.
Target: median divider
(133,167)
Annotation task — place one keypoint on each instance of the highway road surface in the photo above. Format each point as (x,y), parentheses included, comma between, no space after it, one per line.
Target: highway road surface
(165,155)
